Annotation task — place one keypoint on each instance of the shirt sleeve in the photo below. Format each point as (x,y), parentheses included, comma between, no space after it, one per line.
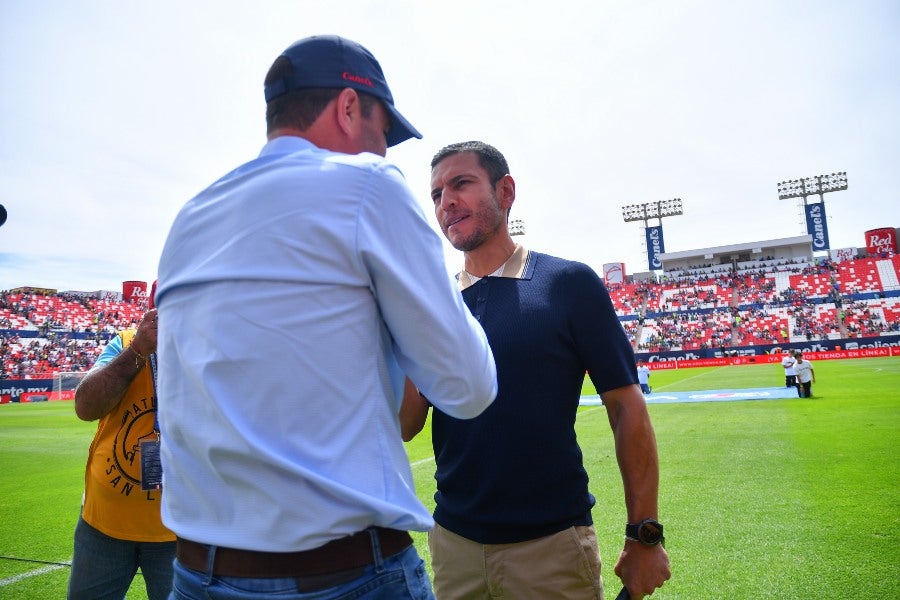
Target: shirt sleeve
(598,333)
(113,349)
(438,343)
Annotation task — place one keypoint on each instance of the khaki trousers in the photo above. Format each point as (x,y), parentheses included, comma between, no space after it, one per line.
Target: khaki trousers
(562,565)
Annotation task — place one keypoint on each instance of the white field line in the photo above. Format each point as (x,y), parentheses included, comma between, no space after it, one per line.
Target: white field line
(34,573)
(422,461)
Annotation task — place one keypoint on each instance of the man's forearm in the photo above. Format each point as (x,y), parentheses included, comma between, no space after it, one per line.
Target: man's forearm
(639,465)
(642,567)
(636,452)
(102,389)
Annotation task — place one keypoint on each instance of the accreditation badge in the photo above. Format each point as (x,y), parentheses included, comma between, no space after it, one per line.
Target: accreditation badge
(151,466)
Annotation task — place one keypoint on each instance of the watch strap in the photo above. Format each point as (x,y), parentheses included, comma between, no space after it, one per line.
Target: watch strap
(635,532)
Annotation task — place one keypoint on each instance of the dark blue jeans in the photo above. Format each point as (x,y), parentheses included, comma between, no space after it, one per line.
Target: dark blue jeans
(398,577)
(104,567)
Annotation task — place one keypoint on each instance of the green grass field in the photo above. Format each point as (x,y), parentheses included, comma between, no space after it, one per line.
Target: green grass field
(764,499)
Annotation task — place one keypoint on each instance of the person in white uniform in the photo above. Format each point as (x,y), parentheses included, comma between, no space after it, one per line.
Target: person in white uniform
(806,376)
(790,373)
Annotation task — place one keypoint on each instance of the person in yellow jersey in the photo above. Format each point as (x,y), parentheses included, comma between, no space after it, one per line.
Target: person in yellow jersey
(120,529)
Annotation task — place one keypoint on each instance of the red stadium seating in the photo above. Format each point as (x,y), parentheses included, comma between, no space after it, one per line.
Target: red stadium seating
(859,276)
(772,305)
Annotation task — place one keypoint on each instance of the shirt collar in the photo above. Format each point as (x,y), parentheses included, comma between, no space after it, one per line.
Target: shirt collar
(286,144)
(513,268)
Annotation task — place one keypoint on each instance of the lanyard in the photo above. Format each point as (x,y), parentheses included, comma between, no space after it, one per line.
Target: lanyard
(151,359)
(151,467)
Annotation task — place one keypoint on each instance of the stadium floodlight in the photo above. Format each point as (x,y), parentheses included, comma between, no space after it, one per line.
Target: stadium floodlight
(517,227)
(652,210)
(670,208)
(634,212)
(814,213)
(808,186)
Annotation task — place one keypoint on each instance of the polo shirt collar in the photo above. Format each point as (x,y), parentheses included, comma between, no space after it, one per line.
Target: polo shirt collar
(513,268)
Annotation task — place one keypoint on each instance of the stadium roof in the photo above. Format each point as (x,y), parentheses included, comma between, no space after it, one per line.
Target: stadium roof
(800,242)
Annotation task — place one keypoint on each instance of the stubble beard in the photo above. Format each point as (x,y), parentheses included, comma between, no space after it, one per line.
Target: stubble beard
(481,233)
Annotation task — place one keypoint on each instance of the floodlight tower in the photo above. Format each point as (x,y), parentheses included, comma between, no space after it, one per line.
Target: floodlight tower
(653,210)
(517,227)
(815,212)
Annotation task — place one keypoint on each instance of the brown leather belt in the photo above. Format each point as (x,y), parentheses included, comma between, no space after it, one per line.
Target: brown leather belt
(340,556)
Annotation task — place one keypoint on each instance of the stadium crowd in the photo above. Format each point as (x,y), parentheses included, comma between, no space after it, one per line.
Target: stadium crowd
(42,332)
(770,302)
(38,358)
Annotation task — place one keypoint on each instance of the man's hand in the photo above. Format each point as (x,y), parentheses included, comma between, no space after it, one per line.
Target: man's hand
(642,568)
(144,342)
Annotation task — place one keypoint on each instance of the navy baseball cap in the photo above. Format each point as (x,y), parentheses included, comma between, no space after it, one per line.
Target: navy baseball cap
(330,61)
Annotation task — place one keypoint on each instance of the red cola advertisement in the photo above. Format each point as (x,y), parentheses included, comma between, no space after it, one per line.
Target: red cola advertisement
(130,289)
(881,241)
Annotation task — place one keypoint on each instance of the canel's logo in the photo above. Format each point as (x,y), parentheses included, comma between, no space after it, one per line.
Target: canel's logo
(818,223)
(654,246)
(357,79)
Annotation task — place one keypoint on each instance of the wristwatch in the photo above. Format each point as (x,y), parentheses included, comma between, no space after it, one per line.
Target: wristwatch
(648,532)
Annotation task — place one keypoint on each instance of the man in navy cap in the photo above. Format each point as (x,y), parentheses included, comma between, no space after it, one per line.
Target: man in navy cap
(293,296)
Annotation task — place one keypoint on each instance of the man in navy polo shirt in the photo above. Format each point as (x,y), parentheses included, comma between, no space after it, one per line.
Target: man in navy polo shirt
(513,509)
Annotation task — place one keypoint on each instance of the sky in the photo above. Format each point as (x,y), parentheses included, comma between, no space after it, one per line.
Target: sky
(114,114)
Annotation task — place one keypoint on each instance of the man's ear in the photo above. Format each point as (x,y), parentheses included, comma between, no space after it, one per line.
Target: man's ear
(506,191)
(348,111)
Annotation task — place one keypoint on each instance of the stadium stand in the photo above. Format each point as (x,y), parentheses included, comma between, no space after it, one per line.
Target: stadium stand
(41,334)
(769,303)
(865,318)
(760,303)
(865,275)
(812,286)
(629,298)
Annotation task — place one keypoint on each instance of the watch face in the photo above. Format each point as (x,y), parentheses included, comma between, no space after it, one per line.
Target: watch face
(650,532)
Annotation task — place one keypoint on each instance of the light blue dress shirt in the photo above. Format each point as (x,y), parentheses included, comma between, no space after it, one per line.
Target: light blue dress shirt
(294,294)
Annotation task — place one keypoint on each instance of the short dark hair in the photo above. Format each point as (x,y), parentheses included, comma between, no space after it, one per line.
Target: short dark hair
(300,108)
(489,158)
